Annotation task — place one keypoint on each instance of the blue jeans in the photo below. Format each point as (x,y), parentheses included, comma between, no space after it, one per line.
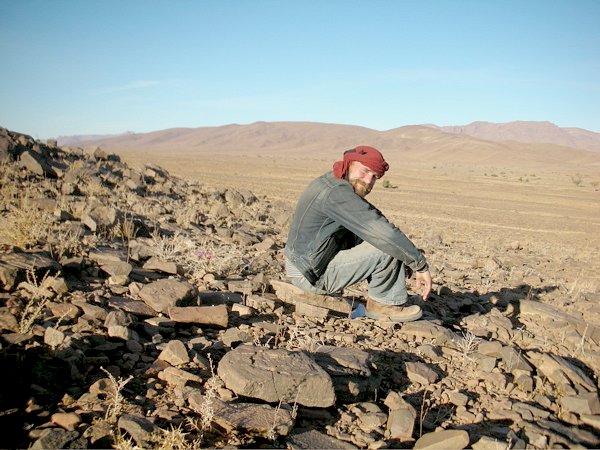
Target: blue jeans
(385,275)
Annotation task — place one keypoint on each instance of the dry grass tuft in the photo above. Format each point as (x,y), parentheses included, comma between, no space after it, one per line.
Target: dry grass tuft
(207,412)
(171,248)
(198,259)
(124,443)
(468,345)
(174,438)
(115,399)
(9,192)
(303,339)
(65,241)
(25,226)
(124,229)
(39,296)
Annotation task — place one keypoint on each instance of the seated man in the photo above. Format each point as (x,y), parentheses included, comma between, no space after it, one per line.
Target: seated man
(337,238)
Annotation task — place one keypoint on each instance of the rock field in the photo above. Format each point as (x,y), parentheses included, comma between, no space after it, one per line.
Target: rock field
(140,310)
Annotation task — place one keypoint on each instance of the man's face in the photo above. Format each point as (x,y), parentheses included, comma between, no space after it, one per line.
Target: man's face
(361,178)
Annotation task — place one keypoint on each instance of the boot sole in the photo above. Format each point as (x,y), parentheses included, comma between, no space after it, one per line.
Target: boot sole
(411,318)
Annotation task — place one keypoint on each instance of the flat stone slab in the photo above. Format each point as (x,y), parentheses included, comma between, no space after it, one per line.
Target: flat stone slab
(443,440)
(344,360)
(255,418)
(136,307)
(428,330)
(162,294)
(202,315)
(276,375)
(316,439)
(13,267)
(350,371)
(541,310)
(568,378)
(106,255)
(421,373)
(289,293)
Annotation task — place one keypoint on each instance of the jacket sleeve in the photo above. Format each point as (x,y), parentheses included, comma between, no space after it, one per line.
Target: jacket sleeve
(369,224)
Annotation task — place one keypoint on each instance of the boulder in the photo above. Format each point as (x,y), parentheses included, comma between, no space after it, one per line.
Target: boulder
(276,375)
(160,295)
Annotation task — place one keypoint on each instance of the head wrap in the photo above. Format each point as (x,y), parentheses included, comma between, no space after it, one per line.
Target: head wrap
(369,156)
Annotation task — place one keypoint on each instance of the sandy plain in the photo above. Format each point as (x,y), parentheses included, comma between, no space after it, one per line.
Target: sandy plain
(541,225)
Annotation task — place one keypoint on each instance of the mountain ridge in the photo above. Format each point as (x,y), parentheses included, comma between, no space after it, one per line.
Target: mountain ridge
(543,132)
(410,143)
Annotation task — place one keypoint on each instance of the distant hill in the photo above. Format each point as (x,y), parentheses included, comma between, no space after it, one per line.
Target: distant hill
(416,143)
(83,138)
(535,132)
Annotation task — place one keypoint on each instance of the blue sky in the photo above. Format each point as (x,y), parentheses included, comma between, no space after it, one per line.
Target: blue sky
(101,67)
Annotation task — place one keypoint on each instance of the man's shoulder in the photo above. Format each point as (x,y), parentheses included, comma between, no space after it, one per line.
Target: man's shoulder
(331,189)
(330,180)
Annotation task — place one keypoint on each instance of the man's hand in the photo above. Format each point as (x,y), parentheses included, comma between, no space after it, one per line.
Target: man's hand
(423,279)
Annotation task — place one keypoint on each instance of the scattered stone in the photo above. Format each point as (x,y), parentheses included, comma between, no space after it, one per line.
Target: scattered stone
(514,360)
(566,377)
(234,336)
(139,428)
(63,325)
(117,269)
(429,330)
(421,373)
(54,438)
(443,440)
(68,421)
(488,443)
(160,295)
(291,294)
(541,310)
(202,315)
(154,263)
(591,420)
(490,348)
(123,333)
(175,353)
(344,361)
(36,163)
(458,398)
(133,306)
(276,375)
(53,337)
(178,377)
(8,321)
(401,418)
(257,418)
(65,310)
(13,267)
(586,403)
(302,439)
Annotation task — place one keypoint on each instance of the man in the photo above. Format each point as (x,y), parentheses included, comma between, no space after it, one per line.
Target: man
(337,238)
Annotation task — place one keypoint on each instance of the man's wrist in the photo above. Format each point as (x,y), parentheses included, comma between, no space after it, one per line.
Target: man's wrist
(423,269)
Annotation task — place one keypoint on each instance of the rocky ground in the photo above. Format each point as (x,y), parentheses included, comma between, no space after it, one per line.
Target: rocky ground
(142,310)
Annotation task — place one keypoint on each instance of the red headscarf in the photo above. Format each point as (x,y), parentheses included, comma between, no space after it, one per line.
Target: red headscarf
(369,156)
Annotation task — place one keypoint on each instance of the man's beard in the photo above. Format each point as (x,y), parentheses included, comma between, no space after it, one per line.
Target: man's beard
(360,187)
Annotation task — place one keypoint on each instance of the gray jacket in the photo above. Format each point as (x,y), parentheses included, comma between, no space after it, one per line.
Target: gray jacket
(330,217)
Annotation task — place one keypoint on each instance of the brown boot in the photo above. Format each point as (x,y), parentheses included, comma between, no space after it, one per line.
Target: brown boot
(380,311)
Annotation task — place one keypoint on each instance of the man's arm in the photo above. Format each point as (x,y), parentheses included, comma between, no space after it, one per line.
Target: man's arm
(364,220)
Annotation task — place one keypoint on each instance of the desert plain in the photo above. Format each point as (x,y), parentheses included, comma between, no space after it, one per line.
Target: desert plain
(135,345)
(477,203)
